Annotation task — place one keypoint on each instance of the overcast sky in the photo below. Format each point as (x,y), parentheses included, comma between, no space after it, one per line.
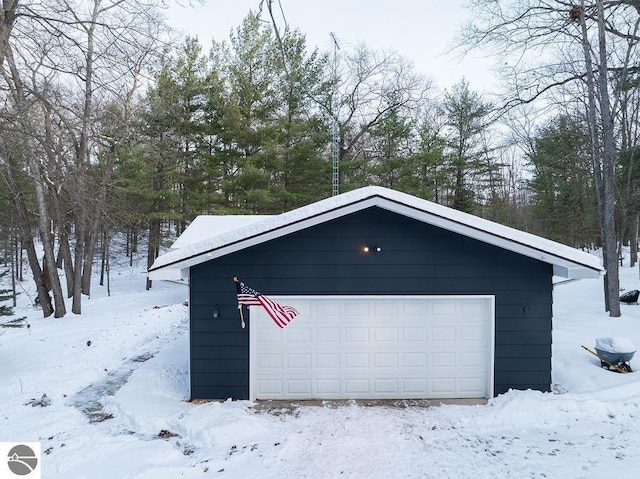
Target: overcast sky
(421,30)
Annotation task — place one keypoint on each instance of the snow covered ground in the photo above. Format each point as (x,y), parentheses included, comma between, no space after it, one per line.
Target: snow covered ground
(115,380)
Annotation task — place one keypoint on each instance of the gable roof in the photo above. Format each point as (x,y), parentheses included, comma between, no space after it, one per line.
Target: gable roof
(567,262)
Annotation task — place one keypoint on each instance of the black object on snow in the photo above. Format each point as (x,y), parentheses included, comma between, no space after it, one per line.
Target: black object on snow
(630,297)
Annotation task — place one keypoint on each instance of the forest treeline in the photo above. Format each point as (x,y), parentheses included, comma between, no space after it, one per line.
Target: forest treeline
(113,132)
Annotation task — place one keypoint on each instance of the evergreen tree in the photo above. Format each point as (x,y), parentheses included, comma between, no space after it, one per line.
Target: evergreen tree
(466,118)
(390,151)
(563,199)
(265,135)
(428,159)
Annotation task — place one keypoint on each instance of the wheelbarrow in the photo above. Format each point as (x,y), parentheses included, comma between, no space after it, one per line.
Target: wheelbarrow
(614,353)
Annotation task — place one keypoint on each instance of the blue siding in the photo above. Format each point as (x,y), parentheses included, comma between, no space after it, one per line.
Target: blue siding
(327,259)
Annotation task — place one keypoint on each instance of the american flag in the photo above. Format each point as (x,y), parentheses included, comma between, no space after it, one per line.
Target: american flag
(281,315)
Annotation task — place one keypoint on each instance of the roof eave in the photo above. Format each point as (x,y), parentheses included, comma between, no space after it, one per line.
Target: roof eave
(562,266)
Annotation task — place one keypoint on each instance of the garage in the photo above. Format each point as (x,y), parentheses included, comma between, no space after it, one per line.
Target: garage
(389,347)
(398,298)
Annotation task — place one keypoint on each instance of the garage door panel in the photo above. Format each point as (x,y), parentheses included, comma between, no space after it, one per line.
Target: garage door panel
(443,387)
(357,387)
(356,361)
(469,308)
(269,336)
(473,333)
(300,335)
(414,360)
(328,335)
(471,385)
(357,309)
(270,361)
(443,360)
(356,335)
(326,309)
(414,334)
(385,310)
(374,347)
(413,309)
(329,361)
(386,387)
(270,387)
(385,335)
(299,387)
(414,387)
(443,333)
(299,361)
(385,360)
(328,388)
(471,359)
(443,308)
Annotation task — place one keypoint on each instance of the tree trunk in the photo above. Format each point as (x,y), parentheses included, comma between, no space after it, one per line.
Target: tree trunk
(7,19)
(85,246)
(154,245)
(103,255)
(14,244)
(76,304)
(98,217)
(67,261)
(633,240)
(46,236)
(27,241)
(609,174)
(108,264)
(602,167)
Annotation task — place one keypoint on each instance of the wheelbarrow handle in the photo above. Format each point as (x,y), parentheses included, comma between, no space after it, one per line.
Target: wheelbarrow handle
(614,366)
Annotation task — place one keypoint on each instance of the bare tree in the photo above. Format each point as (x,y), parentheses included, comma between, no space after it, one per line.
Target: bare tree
(571,49)
(370,85)
(65,61)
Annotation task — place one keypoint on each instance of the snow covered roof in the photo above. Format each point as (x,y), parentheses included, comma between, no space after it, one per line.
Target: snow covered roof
(206,226)
(567,262)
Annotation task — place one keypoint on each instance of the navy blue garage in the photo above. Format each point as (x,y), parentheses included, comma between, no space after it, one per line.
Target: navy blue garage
(399,298)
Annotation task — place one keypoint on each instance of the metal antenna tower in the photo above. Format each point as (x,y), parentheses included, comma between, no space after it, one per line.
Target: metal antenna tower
(336,128)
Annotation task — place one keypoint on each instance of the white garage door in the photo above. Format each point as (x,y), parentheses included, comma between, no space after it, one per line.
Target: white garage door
(384,347)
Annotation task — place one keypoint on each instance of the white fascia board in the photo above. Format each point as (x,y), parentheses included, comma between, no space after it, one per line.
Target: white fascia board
(564,267)
(169,274)
(576,273)
(567,261)
(215,251)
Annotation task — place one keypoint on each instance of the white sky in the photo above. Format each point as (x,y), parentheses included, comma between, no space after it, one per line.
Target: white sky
(420,30)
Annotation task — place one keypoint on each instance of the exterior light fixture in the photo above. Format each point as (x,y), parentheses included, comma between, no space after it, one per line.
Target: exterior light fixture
(216,311)
(373,249)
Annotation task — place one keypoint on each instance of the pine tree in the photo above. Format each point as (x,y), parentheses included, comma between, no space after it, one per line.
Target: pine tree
(563,199)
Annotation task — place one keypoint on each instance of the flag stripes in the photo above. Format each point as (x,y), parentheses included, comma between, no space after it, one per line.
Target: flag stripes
(280,314)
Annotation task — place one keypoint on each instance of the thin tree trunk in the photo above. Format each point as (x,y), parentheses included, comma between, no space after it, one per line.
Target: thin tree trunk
(609,173)
(633,240)
(103,255)
(154,246)
(14,245)
(108,265)
(76,303)
(67,261)
(21,262)
(84,249)
(601,173)
(98,217)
